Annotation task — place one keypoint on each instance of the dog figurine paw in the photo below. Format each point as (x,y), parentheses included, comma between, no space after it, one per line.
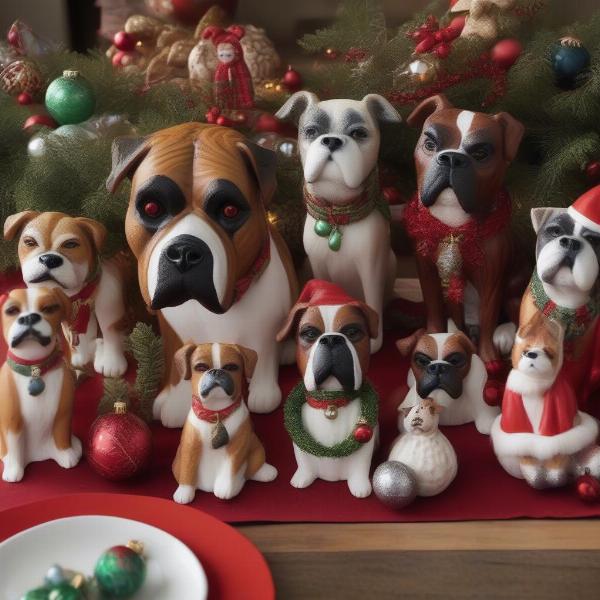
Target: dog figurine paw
(219,450)
(445,367)
(347,230)
(331,415)
(209,262)
(38,386)
(56,250)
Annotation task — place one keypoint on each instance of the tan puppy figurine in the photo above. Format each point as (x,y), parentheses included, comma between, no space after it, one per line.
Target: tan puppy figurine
(37,384)
(56,250)
(209,262)
(332,414)
(219,450)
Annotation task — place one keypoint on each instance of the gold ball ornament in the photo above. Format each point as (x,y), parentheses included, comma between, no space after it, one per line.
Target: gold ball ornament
(331,412)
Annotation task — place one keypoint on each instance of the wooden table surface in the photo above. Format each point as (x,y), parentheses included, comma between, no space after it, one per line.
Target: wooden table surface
(525,559)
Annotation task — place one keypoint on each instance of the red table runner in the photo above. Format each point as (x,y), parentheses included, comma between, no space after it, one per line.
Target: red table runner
(481,490)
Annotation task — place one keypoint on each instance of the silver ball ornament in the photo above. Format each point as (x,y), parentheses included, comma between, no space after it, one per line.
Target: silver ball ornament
(36,146)
(395,484)
(55,575)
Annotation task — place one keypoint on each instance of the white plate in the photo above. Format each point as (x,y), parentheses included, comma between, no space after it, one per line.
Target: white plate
(173,571)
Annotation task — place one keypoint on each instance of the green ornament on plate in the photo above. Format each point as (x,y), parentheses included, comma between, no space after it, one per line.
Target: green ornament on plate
(70,98)
(60,591)
(322,228)
(121,570)
(335,240)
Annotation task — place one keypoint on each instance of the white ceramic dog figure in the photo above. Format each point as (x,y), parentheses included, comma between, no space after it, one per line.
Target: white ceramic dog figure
(331,415)
(346,237)
(37,384)
(541,436)
(56,250)
(445,367)
(219,450)
(425,449)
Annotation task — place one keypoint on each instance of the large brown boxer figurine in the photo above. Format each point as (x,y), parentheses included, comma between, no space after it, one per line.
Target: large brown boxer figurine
(209,262)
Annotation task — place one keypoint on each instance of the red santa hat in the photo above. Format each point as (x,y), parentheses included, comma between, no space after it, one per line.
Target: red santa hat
(586,209)
(232,35)
(318,292)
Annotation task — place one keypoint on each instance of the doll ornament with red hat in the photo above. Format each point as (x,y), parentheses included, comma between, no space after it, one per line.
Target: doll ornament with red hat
(232,80)
(331,415)
(564,285)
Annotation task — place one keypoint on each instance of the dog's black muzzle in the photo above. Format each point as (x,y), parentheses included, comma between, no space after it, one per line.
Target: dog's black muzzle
(185,272)
(440,376)
(451,170)
(333,358)
(216,378)
(29,321)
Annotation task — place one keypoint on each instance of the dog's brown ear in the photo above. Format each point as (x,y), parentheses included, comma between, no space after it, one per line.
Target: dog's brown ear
(426,108)
(127,153)
(296,106)
(182,360)
(249,357)
(541,214)
(65,303)
(263,164)
(15,223)
(381,109)
(513,134)
(96,230)
(466,342)
(295,312)
(406,345)
(371,317)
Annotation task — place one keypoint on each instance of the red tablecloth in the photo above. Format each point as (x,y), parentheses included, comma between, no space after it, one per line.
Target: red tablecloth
(481,490)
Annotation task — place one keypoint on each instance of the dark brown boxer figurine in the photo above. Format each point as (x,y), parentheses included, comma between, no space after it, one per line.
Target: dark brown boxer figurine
(460,218)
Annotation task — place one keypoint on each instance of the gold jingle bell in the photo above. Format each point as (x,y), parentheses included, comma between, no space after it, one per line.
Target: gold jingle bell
(331,411)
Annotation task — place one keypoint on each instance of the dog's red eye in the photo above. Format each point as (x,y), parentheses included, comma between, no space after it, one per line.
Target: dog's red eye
(231,211)
(153,209)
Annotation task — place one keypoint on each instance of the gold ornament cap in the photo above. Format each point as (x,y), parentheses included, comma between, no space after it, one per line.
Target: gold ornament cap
(136,546)
(120,408)
(70,73)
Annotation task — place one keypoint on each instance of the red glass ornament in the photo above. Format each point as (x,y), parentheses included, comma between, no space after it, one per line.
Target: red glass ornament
(24,98)
(231,211)
(124,41)
(45,120)
(292,80)
(267,122)
(391,195)
(119,445)
(588,488)
(592,171)
(506,52)
(152,209)
(224,121)
(442,50)
(363,433)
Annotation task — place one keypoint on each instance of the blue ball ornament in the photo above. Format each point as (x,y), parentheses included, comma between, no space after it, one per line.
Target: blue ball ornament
(570,60)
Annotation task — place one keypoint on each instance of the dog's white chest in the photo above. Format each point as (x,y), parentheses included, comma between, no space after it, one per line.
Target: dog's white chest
(533,403)
(39,412)
(331,431)
(212,461)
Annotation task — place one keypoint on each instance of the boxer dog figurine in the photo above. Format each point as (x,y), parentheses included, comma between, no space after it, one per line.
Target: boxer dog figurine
(219,450)
(209,262)
(56,250)
(459,219)
(541,436)
(347,230)
(564,285)
(446,368)
(331,415)
(37,384)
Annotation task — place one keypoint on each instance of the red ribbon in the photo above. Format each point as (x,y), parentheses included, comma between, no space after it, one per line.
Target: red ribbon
(212,416)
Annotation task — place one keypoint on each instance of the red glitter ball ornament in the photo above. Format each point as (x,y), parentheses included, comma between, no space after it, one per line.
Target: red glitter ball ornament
(119,444)
(292,80)
(363,433)
(588,488)
(124,41)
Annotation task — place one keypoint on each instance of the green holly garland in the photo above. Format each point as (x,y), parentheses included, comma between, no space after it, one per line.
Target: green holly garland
(292,412)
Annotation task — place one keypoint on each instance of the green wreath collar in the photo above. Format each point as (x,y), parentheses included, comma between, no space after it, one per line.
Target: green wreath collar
(292,412)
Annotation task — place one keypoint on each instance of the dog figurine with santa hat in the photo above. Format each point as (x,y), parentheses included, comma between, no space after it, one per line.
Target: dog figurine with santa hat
(541,436)
(331,415)
(564,285)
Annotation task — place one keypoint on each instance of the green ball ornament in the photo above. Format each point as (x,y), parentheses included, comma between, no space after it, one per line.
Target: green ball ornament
(70,98)
(120,571)
(60,591)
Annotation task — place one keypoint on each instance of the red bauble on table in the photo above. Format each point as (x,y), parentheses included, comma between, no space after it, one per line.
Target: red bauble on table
(119,444)
(588,488)
(124,41)
(292,80)
(506,52)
